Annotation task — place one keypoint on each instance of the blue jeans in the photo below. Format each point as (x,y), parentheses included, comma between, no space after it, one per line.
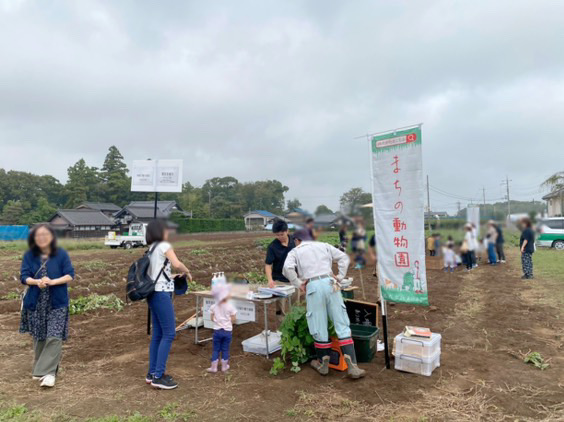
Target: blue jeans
(492,257)
(221,343)
(164,331)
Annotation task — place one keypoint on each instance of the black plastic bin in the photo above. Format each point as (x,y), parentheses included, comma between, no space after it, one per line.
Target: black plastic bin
(365,339)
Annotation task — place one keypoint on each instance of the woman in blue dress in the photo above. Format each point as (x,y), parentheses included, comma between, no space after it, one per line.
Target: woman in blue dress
(46,270)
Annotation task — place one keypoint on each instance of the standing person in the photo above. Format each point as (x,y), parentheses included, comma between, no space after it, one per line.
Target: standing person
(449,258)
(431,245)
(46,270)
(309,267)
(499,244)
(437,237)
(475,245)
(372,254)
(492,241)
(276,254)
(527,246)
(343,240)
(223,315)
(310,227)
(358,244)
(471,244)
(160,303)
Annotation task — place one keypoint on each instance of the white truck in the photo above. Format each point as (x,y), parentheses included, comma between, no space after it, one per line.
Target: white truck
(133,239)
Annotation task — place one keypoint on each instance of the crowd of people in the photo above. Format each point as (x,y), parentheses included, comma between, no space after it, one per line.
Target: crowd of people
(489,249)
(296,258)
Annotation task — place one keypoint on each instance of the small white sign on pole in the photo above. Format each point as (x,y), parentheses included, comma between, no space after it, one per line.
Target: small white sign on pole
(156,176)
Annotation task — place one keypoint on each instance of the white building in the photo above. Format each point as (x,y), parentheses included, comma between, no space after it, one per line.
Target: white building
(555,201)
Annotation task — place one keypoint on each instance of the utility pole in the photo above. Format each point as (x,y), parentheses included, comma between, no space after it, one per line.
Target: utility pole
(508,199)
(484,197)
(209,199)
(428,204)
(458,207)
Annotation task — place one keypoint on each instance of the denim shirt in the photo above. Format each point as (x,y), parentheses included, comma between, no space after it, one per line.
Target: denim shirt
(57,266)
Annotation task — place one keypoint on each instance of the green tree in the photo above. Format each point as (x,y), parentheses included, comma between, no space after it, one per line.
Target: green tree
(263,194)
(323,210)
(116,182)
(293,204)
(222,193)
(42,212)
(82,184)
(13,212)
(352,201)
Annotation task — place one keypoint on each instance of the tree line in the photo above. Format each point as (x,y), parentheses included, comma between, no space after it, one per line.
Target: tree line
(27,198)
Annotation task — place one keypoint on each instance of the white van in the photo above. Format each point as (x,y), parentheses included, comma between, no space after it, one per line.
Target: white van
(551,233)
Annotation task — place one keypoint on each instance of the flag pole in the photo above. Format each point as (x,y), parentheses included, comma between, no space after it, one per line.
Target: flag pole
(378,263)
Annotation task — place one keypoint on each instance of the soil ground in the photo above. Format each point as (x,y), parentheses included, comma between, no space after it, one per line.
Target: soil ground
(489,318)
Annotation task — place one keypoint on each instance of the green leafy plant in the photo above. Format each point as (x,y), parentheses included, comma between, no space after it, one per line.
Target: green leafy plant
(199,252)
(256,277)
(296,341)
(94,301)
(277,366)
(537,360)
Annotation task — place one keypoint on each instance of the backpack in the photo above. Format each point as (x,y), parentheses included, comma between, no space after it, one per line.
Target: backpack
(139,284)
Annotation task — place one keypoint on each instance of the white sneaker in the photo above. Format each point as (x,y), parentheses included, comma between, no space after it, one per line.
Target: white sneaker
(48,381)
(35,378)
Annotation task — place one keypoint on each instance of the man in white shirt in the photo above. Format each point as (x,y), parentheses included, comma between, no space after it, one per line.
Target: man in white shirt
(309,267)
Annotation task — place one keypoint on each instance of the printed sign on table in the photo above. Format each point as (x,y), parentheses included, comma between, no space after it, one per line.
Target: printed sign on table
(397,194)
(156,176)
(246,311)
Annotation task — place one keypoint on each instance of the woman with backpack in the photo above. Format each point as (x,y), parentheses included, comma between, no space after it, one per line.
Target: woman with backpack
(46,270)
(162,256)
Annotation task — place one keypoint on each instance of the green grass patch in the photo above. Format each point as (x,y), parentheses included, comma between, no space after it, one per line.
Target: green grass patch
(68,244)
(10,296)
(173,412)
(198,252)
(94,265)
(549,263)
(15,413)
(93,302)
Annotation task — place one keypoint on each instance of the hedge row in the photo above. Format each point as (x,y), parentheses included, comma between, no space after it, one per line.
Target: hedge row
(200,225)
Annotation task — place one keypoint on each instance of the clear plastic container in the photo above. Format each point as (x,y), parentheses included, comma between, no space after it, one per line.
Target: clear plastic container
(416,365)
(417,347)
(257,344)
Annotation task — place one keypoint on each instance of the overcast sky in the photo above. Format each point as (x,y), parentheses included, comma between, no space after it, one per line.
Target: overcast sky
(279,89)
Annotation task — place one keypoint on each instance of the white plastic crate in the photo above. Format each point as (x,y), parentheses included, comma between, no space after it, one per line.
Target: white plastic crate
(417,347)
(417,365)
(257,344)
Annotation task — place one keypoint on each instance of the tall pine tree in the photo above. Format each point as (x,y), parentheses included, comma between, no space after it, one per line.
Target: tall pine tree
(82,185)
(116,182)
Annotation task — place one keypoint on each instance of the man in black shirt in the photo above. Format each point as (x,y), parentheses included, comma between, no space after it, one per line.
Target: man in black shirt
(277,252)
(276,256)
(527,246)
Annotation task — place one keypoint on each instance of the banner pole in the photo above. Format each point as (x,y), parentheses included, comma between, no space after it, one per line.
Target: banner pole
(382,300)
(385,328)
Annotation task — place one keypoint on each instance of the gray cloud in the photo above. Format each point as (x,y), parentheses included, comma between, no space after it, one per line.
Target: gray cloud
(280,89)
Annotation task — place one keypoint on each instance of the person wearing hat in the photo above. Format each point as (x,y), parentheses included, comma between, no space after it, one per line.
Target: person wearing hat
(223,315)
(309,267)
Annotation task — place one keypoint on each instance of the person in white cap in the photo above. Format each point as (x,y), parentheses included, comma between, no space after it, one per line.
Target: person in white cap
(309,267)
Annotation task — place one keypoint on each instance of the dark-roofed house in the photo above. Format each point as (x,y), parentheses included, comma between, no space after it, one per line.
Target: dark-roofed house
(165,207)
(144,212)
(259,219)
(106,207)
(298,216)
(81,223)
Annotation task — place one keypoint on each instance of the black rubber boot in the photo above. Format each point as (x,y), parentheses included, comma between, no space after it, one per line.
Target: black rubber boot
(350,357)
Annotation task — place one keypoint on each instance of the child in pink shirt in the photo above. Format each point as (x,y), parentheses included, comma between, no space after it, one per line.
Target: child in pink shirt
(223,315)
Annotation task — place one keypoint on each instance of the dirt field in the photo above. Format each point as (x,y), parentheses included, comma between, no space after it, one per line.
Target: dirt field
(488,318)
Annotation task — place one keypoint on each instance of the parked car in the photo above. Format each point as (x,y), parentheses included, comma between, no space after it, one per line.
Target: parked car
(551,233)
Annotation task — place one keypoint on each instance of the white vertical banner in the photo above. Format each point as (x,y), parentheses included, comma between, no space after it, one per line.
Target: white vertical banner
(397,195)
(473,217)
